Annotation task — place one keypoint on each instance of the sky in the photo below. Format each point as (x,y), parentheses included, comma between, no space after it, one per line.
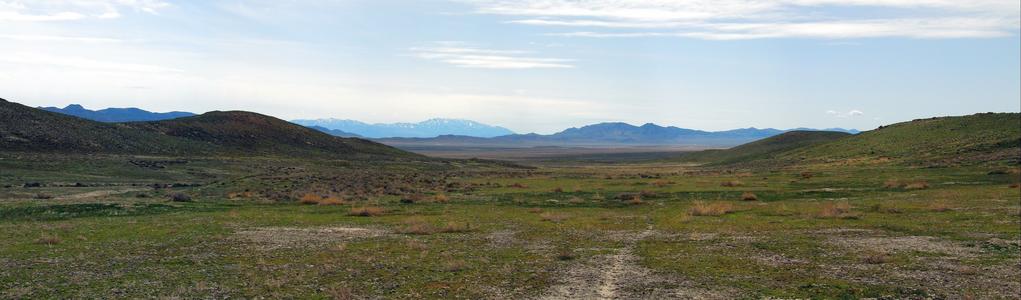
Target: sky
(528,65)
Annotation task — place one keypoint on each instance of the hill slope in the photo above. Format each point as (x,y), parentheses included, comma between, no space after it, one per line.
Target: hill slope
(764,148)
(111,115)
(24,128)
(256,133)
(979,138)
(962,139)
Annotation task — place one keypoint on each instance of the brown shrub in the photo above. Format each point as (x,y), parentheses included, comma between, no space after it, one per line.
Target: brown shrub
(441,198)
(732,183)
(418,227)
(565,254)
(180,197)
(917,185)
(748,196)
(455,265)
(1014,185)
(553,217)
(939,206)
(48,240)
(807,175)
(914,185)
(558,190)
(635,201)
(518,186)
(661,183)
(876,258)
(309,198)
(892,184)
(332,200)
(535,210)
(340,293)
(455,227)
(366,211)
(700,208)
(648,194)
(835,210)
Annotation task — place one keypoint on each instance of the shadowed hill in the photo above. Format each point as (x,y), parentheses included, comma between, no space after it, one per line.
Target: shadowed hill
(24,128)
(252,132)
(765,148)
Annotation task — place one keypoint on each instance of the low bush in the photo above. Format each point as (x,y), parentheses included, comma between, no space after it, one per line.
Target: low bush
(700,208)
(366,211)
(748,196)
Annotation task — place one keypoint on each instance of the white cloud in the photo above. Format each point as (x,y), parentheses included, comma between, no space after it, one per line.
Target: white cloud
(843,115)
(464,56)
(70,10)
(757,19)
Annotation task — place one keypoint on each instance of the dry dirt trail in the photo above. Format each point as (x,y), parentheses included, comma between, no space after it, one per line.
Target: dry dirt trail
(100,193)
(610,276)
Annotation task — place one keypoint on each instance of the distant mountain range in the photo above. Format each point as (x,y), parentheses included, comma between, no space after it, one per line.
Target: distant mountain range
(609,134)
(112,115)
(458,132)
(425,129)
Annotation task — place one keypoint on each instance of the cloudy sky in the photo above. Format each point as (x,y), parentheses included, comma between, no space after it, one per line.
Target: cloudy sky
(529,65)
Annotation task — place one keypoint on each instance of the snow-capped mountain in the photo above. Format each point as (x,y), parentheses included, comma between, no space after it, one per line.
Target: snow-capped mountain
(425,129)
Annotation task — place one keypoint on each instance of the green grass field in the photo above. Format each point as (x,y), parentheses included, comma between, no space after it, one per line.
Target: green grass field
(105,227)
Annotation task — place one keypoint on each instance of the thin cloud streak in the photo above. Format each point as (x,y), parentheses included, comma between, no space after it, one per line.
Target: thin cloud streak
(747,19)
(470,57)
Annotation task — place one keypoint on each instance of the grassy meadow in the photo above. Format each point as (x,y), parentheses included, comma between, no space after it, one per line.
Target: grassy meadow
(159,227)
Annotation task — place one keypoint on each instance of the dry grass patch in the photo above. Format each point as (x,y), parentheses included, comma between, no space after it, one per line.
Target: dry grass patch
(749,196)
(455,227)
(939,206)
(440,198)
(835,210)
(332,200)
(366,211)
(912,185)
(700,208)
(732,183)
(309,198)
(876,258)
(48,240)
(553,217)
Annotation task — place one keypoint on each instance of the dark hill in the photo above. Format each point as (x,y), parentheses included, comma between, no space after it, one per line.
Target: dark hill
(24,128)
(256,133)
(764,148)
(111,115)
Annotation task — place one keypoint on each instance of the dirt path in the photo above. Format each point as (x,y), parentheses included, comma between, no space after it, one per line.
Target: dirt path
(606,276)
(100,193)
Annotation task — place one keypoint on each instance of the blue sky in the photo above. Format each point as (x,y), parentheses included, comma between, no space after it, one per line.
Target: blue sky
(528,65)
